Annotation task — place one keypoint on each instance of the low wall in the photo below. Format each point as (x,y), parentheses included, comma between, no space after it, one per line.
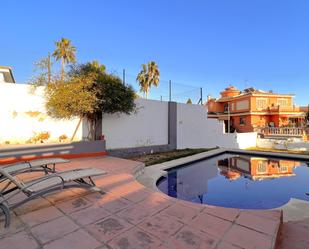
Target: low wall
(23,115)
(246,140)
(295,144)
(10,154)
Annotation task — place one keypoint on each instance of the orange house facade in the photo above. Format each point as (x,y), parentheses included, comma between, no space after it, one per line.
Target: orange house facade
(251,109)
(256,168)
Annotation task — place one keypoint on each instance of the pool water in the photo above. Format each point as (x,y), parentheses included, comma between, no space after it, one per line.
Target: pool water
(239,181)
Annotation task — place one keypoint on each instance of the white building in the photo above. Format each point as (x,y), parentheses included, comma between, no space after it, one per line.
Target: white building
(6,75)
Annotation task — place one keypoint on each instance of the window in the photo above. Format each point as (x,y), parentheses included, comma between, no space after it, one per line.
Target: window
(284,168)
(226,108)
(261,103)
(261,167)
(282,102)
(242,105)
(242,120)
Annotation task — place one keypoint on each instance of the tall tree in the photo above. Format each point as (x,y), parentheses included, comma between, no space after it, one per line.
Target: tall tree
(65,52)
(148,76)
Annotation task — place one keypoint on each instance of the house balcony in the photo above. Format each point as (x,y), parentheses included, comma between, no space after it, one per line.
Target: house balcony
(278,108)
(283,131)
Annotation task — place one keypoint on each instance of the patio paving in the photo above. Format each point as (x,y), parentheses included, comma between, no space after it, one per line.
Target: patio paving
(131,216)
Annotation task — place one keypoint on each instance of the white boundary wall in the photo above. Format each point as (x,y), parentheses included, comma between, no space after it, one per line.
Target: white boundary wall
(22,115)
(195,130)
(147,126)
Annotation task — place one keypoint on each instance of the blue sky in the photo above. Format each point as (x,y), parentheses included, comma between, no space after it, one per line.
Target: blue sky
(258,43)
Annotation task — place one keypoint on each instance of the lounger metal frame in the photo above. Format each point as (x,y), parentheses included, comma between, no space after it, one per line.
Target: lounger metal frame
(4,198)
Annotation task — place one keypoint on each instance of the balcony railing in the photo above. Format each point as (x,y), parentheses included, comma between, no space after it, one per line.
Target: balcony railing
(284,131)
(278,108)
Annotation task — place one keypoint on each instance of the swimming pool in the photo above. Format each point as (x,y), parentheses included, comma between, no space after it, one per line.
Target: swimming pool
(238,181)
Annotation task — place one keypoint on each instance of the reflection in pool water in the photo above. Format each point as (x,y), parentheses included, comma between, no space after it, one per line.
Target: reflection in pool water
(239,181)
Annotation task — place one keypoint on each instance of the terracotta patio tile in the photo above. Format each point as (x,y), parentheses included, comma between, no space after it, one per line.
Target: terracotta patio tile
(302,222)
(53,229)
(110,181)
(81,192)
(89,215)
(157,201)
(294,244)
(189,204)
(129,186)
(108,201)
(108,228)
(161,226)
(32,206)
(77,240)
(211,224)
(16,225)
(73,205)
(136,196)
(247,238)
(129,189)
(268,214)
(104,247)
(19,240)
(258,223)
(292,231)
(62,195)
(226,245)
(223,213)
(181,212)
(135,213)
(116,205)
(135,239)
(41,215)
(189,238)
(165,246)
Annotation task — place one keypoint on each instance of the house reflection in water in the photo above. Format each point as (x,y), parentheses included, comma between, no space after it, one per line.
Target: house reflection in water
(256,168)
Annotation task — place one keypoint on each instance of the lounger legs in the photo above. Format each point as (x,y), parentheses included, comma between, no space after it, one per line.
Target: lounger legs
(6,211)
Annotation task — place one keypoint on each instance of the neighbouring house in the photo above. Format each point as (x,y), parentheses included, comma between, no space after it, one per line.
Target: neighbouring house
(252,110)
(6,75)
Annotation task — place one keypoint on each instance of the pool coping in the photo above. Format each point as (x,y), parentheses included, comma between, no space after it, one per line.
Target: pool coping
(149,176)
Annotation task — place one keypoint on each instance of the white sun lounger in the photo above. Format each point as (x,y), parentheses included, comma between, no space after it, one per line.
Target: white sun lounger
(77,178)
(33,165)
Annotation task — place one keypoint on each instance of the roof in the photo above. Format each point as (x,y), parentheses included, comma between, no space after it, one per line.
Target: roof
(11,77)
(254,92)
(6,67)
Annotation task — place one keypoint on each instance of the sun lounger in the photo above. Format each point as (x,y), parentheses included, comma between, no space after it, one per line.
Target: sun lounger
(78,178)
(47,165)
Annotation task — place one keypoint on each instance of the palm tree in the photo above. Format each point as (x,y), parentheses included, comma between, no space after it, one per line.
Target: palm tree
(65,52)
(148,76)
